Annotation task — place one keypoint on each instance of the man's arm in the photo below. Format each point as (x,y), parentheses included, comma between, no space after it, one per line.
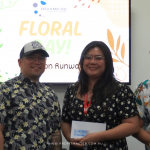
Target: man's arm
(56,141)
(142,135)
(1,137)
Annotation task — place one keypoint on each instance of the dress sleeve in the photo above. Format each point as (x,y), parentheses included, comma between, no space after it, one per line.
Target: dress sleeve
(66,112)
(126,104)
(139,93)
(4,104)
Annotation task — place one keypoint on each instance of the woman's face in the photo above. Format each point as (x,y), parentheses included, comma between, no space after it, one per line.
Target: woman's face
(94,63)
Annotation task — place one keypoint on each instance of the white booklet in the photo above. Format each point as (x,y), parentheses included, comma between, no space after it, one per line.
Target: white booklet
(81,128)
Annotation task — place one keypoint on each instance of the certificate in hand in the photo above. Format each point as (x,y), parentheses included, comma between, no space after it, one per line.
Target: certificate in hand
(80,128)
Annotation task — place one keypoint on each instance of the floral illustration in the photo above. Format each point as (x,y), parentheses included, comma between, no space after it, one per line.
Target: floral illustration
(118,55)
(7,3)
(115,51)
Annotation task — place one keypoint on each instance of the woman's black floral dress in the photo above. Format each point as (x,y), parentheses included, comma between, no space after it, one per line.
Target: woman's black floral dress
(120,106)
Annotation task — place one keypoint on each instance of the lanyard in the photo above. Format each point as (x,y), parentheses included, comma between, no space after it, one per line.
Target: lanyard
(85,103)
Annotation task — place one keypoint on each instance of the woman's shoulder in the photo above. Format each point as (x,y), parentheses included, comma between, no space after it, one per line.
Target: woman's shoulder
(71,88)
(122,85)
(123,88)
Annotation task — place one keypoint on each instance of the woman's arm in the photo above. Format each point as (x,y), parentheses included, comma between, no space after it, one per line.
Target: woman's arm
(142,135)
(1,137)
(66,118)
(66,130)
(127,127)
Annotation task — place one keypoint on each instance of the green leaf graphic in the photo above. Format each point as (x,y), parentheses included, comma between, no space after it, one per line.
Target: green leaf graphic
(9,5)
(1,45)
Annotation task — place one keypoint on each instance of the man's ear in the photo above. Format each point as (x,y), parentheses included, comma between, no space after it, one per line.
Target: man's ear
(19,62)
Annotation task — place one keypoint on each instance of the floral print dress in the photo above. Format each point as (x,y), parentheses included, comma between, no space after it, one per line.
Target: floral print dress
(120,106)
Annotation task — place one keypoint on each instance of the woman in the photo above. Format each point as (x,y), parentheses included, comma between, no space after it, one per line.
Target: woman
(109,102)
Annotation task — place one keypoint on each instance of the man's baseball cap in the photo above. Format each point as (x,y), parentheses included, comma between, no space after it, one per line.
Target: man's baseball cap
(33,47)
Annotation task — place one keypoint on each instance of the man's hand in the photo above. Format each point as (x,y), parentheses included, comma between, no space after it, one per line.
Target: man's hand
(1,137)
(56,141)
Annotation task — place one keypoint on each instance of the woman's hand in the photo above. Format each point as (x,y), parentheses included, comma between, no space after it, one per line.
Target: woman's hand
(76,142)
(90,139)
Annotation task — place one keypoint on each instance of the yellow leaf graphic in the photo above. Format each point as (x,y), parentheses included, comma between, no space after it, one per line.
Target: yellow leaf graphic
(110,39)
(118,43)
(122,51)
(115,60)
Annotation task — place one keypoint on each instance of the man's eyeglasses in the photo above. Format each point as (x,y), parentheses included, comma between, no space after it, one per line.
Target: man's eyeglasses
(97,58)
(33,59)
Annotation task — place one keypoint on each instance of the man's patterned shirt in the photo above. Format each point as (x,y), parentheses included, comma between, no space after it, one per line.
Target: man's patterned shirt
(30,113)
(143,103)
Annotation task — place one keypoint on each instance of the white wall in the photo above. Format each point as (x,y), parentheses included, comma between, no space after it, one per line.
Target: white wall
(140,41)
(140,55)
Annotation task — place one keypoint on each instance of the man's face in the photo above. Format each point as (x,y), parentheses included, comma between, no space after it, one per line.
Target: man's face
(33,65)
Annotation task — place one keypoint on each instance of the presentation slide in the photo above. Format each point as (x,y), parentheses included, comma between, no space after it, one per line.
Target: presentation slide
(64,27)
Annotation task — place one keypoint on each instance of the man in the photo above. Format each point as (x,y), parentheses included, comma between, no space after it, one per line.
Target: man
(29,110)
(143,103)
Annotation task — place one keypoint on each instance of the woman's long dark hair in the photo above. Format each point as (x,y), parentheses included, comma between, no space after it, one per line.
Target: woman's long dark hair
(106,85)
